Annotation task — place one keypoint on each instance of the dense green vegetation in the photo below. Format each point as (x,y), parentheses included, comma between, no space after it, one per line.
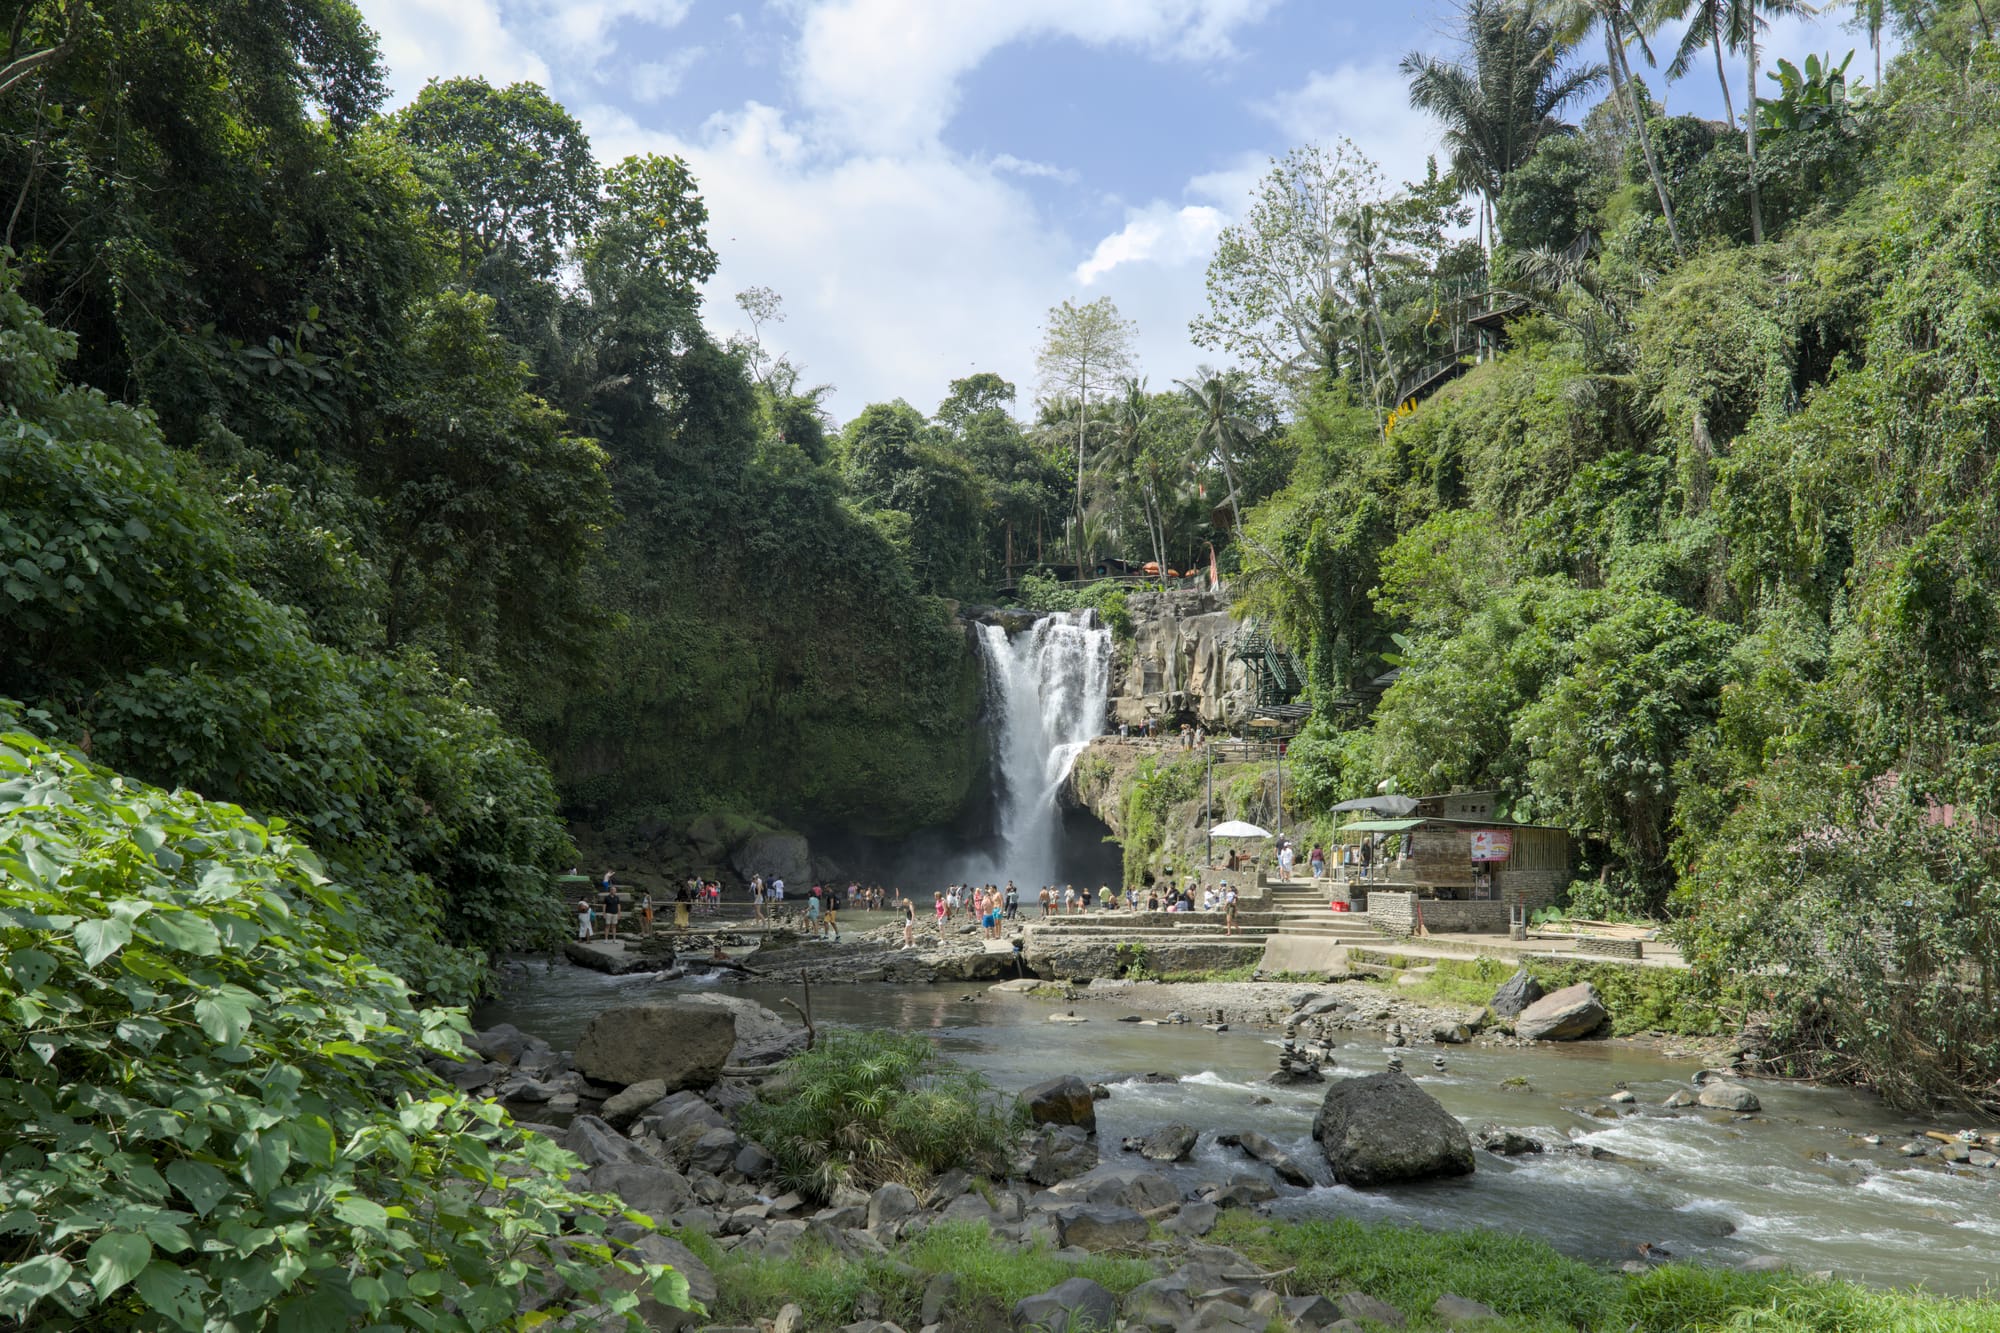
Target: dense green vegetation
(1698,564)
(864,1108)
(214,1112)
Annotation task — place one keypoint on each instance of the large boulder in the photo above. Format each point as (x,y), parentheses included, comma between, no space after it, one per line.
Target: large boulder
(1722,1095)
(1168,1143)
(1062,1101)
(1383,1129)
(684,1045)
(1062,1152)
(1516,993)
(1102,1227)
(763,1036)
(1068,1307)
(783,856)
(1264,1150)
(646,1188)
(1564,1015)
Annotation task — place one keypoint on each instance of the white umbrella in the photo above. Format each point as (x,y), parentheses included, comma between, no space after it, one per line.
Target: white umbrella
(1236,828)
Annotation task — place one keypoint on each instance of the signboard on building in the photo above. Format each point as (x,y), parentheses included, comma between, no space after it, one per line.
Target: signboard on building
(1492,844)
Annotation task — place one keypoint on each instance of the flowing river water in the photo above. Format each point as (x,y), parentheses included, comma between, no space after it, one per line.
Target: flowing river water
(1797,1181)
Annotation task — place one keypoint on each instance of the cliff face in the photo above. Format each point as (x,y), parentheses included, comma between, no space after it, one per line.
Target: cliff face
(1177,665)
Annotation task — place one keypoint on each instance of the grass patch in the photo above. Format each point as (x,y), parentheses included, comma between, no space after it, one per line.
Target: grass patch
(1641,999)
(1247,972)
(1538,1290)
(828,1288)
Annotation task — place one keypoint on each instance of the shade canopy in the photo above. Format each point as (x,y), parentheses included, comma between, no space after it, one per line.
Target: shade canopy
(1379,826)
(1236,828)
(1381,805)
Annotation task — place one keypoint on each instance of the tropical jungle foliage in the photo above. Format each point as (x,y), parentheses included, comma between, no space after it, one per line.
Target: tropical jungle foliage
(215,1113)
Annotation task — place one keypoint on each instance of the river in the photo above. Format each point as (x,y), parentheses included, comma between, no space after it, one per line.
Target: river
(1796,1182)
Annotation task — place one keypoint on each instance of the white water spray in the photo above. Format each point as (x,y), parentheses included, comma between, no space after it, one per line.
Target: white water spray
(1046,689)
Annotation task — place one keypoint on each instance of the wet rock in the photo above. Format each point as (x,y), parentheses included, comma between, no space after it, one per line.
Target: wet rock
(1622,1097)
(1452,1034)
(503,1044)
(1264,1150)
(622,1108)
(763,1036)
(1980,1157)
(1914,1148)
(1515,994)
(1061,1101)
(682,1044)
(1242,1192)
(1062,1152)
(466,1075)
(1068,1307)
(1123,1186)
(1565,1015)
(1169,1143)
(1296,1076)
(1507,1142)
(597,1143)
(752,1162)
(1383,1129)
(1456,1311)
(1097,1227)
(1193,1219)
(1724,1096)
(646,1188)
(1678,1098)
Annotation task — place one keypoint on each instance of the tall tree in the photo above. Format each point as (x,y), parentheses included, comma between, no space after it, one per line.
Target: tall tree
(519,182)
(1085,349)
(1749,16)
(1507,96)
(1711,24)
(1274,285)
(1620,24)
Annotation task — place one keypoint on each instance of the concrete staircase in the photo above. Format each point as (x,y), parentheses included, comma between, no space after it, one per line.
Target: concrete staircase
(1310,937)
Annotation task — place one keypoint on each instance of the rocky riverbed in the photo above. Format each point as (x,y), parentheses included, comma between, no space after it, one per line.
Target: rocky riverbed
(653,1121)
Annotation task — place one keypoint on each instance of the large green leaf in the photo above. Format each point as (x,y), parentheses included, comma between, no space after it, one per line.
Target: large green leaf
(100,939)
(115,1258)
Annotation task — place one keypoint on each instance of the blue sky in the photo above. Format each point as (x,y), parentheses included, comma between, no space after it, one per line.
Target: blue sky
(922,179)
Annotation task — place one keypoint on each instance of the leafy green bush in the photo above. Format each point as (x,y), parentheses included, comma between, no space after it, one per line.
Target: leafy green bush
(124,620)
(862,1108)
(1106,597)
(215,1111)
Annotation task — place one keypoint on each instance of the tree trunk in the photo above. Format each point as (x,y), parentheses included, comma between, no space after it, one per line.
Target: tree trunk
(1750,136)
(1615,47)
(1722,75)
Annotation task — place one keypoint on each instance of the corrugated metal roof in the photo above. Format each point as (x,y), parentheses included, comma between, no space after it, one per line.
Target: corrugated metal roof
(1379,826)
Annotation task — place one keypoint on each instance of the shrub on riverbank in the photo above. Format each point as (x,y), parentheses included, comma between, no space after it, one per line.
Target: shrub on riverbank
(864,1108)
(1640,999)
(215,1113)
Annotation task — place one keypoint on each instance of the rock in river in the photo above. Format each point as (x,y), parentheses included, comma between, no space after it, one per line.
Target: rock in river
(1383,1129)
(1516,993)
(1564,1015)
(1060,1101)
(683,1045)
(1725,1096)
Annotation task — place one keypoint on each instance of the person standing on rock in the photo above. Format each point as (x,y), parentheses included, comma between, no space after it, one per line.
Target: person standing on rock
(833,915)
(757,897)
(583,918)
(1013,902)
(909,924)
(682,899)
(812,912)
(1228,910)
(646,914)
(611,906)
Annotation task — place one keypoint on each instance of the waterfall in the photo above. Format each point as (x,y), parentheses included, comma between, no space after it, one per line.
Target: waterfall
(1046,689)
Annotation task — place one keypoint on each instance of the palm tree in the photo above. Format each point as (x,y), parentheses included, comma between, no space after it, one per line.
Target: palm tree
(1574,18)
(1217,397)
(1750,21)
(1129,454)
(1498,105)
(1708,21)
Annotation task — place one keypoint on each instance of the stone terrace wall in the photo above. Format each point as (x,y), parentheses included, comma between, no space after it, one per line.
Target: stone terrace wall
(1397,914)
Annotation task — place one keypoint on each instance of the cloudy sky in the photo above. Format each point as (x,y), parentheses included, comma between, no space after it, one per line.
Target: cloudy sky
(922,179)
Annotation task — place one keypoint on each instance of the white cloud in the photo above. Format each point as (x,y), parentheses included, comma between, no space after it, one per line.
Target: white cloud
(1040,170)
(1158,234)
(580,30)
(883,75)
(1369,104)
(425,39)
(657,80)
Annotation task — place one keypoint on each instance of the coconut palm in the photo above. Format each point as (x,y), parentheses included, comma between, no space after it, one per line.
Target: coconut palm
(1217,397)
(1712,24)
(1751,19)
(1505,98)
(1620,22)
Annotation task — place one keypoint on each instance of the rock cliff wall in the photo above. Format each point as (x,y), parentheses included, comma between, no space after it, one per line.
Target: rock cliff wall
(1177,666)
